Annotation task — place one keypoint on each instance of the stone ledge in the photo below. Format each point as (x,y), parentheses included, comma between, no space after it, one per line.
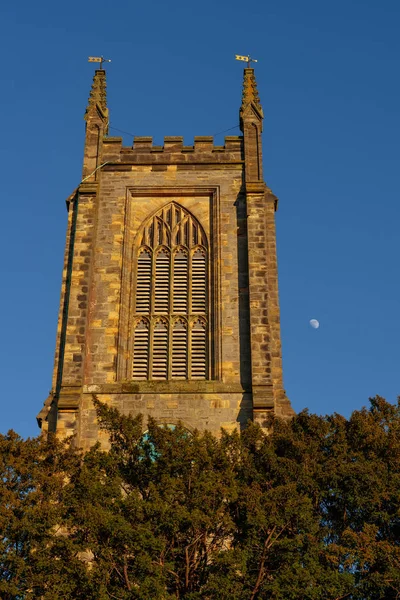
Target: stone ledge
(255,187)
(164,387)
(263,396)
(113,139)
(88,187)
(68,400)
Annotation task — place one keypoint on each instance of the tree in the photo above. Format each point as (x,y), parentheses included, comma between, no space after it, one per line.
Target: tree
(310,511)
(36,557)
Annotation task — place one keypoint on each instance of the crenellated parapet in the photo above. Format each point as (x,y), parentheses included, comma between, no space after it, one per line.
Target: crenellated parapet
(203,151)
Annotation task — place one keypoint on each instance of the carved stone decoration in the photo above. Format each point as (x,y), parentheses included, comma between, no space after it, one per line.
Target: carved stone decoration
(98,95)
(250,92)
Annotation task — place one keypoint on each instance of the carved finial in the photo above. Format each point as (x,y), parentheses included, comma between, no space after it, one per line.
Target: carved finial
(250,92)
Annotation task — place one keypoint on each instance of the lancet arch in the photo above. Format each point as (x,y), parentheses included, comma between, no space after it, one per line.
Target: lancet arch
(170,297)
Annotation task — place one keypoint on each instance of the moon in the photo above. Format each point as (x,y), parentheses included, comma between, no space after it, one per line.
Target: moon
(314,323)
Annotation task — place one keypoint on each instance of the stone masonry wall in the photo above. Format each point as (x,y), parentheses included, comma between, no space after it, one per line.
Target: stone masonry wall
(207,180)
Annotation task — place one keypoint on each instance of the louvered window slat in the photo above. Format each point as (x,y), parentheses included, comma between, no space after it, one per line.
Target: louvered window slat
(180,283)
(141,351)
(179,351)
(161,296)
(143,287)
(160,351)
(199,282)
(198,351)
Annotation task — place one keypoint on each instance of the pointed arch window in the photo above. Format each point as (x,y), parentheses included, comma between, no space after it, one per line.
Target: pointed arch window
(171,298)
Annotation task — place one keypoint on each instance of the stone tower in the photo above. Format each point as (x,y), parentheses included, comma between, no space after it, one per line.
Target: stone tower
(169,302)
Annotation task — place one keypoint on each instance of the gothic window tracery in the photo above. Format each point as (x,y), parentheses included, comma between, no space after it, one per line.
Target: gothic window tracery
(170,333)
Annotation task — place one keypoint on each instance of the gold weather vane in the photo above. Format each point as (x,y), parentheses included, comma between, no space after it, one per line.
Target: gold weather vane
(247,59)
(98,59)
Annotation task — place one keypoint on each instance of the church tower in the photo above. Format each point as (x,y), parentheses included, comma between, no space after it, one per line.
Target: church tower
(169,302)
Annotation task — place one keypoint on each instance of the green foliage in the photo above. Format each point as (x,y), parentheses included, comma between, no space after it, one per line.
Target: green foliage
(36,556)
(310,511)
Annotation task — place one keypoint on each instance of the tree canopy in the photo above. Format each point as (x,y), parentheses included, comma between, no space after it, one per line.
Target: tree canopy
(309,511)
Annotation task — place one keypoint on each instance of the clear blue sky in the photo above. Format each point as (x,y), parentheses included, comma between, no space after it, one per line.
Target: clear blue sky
(328,76)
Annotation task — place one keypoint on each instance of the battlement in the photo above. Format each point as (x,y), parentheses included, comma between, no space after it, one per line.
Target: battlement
(143,151)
